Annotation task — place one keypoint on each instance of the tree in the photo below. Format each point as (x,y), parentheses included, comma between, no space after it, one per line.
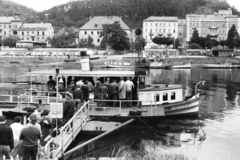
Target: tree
(195,37)
(176,43)
(10,41)
(195,46)
(222,43)
(114,36)
(209,44)
(64,40)
(232,36)
(83,43)
(163,40)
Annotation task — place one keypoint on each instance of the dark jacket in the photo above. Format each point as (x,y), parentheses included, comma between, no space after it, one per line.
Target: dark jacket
(30,136)
(85,92)
(68,107)
(6,136)
(77,94)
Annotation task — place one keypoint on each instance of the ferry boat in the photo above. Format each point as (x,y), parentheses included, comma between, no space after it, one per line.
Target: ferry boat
(151,103)
(126,65)
(182,66)
(221,66)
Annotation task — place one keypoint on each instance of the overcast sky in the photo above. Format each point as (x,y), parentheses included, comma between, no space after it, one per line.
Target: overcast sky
(40,5)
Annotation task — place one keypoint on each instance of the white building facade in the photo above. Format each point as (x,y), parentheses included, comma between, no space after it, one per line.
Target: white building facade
(160,26)
(216,25)
(14,26)
(94,27)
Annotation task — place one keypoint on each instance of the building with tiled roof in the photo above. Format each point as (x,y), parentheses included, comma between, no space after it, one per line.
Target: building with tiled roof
(94,27)
(14,26)
(160,26)
(216,25)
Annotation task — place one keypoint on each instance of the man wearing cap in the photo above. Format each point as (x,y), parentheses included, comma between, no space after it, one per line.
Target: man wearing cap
(6,139)
(30,136)
(17,128)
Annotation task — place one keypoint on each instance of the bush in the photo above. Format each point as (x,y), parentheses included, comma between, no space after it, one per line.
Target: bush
(195,46)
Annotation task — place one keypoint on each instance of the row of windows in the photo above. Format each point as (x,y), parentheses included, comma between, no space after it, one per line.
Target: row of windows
(91,32)
(160,24)
(165,97)
(161,31)
(33,39)
(5,26)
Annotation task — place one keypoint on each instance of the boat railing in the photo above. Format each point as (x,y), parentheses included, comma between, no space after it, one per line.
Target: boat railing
(98,104)
(33,97)
(67,133)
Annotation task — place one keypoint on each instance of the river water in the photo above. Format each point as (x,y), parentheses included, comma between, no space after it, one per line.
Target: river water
(219,115)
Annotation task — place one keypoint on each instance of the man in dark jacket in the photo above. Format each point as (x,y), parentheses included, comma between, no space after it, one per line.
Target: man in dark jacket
(78,96)
(68,108)
(30,136)
(6,139)
(85,91)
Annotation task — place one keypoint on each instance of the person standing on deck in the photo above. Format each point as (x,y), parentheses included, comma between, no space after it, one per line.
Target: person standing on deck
(105,94)
(78,97)
(6,139)
(17,128)
(80,82)
(30,137)
(130,86)
(108,85)
(114,92)
(51,84)
(122,90)
(68,108)
(97,93)
(85,91)
(90,86)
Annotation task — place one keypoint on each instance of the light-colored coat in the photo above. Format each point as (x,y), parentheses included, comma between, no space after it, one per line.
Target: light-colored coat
(122,89)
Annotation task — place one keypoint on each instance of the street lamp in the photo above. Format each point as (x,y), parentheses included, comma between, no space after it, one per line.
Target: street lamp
(138,32)
(201,82)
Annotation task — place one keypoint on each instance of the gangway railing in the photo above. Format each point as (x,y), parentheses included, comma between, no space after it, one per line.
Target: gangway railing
(33,97)
(67,133)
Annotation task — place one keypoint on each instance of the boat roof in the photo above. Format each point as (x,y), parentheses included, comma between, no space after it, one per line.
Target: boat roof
(11,86)
(95,73)
(160,88)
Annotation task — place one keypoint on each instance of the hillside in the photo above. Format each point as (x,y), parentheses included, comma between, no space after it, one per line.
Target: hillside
(9,8)
(133,12)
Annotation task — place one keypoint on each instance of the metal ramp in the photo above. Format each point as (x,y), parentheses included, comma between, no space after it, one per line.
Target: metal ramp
(67,134)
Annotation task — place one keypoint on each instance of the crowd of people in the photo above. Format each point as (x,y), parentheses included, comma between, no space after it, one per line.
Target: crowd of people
(24,142)
(106,93)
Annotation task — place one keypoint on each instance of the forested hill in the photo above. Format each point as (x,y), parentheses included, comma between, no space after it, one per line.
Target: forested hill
(77,13)
(9,8)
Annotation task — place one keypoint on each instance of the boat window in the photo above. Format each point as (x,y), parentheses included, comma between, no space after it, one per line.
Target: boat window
(165,96)
(157,98)
(173,96)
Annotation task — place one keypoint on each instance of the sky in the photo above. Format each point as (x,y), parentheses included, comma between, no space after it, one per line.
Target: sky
(40,5)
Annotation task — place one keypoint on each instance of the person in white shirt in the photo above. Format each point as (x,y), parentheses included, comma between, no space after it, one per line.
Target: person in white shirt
(17,128)
(122,90)
(130,86)
(80,83)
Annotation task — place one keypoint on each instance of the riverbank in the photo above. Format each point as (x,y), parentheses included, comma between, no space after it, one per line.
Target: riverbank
(59,61)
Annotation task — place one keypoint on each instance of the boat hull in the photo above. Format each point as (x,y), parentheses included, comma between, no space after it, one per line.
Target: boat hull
(221,66)
(187,108)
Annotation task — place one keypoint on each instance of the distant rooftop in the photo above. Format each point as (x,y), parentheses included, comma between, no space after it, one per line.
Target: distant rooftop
(167,19)
(97,22)
(9,19)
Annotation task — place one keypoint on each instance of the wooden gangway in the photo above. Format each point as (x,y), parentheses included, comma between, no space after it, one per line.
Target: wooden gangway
(67,134)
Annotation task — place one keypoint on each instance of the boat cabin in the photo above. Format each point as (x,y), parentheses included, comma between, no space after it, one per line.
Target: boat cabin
(161,94)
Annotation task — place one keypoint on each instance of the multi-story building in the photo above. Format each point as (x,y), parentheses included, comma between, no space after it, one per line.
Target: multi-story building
(160,26)
(35,32)
(94,27)
(216,25)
